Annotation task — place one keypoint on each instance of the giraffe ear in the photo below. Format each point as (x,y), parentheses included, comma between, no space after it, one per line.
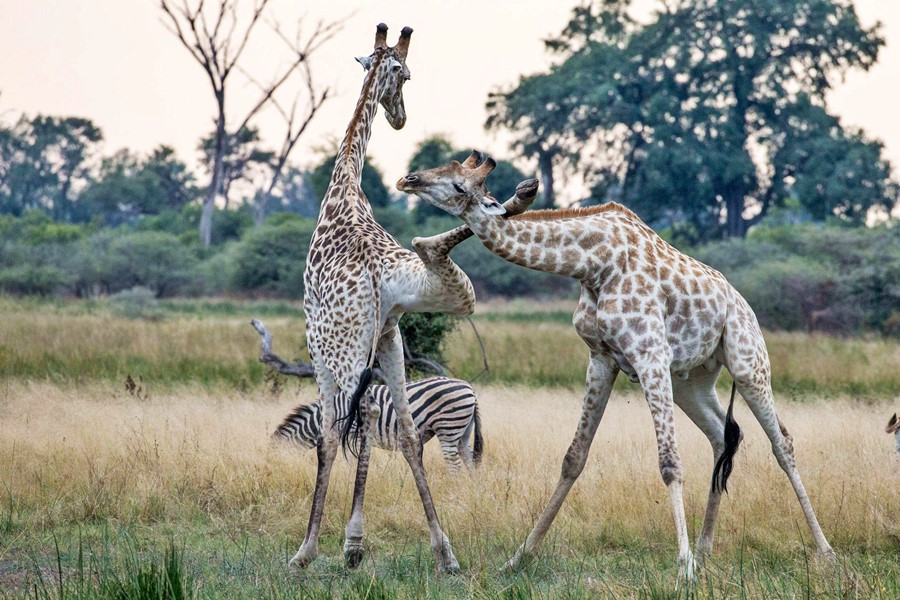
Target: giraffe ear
(365,61)
(490,206)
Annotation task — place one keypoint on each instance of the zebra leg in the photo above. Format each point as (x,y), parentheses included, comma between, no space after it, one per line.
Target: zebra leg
(601,374)
(451,457)
(390,357)
(353,532)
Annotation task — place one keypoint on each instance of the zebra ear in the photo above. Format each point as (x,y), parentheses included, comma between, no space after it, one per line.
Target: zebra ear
(892,425)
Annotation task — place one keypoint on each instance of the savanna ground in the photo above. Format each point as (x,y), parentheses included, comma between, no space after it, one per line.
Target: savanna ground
(107,492)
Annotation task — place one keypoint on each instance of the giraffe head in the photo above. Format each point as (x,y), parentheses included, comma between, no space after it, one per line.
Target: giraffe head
(893,425)
(455,187)
(387,68)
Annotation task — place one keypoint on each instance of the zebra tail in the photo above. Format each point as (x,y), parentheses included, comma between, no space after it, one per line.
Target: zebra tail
(725,464)
(478,442)
(353,422)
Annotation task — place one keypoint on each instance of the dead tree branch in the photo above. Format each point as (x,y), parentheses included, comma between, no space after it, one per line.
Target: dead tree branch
(299,368)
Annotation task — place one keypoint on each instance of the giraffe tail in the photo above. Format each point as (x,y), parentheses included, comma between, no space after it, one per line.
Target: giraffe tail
(725,464)
(353,421)
(478,441)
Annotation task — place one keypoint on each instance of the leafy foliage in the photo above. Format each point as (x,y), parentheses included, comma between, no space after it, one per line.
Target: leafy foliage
(713,112)
(372,182)
(270,259)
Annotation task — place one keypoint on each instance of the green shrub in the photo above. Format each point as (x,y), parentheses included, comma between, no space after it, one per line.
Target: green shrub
(136,303)
(784,293)
(271,258)
(32,280)
(150,259)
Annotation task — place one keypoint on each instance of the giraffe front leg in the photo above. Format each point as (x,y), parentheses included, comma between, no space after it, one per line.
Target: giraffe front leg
(697,397)
(656,381)
(353,532)
(326,450)
(601,374)
(390,357)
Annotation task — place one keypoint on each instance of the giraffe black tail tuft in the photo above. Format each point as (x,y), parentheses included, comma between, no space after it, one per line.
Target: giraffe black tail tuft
(725,464)
(353,421)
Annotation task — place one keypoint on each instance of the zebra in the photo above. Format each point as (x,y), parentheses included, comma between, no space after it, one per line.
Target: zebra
(441,407)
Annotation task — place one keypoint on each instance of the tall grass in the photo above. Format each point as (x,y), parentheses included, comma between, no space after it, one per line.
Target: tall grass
(527,344)
(192,467)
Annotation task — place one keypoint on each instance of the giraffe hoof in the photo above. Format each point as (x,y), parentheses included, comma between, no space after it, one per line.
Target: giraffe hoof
(527,188)
(353,556)
(303,558)
(687,569)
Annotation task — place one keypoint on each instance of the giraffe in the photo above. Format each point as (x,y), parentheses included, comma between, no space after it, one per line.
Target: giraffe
(358,283)
(666,320)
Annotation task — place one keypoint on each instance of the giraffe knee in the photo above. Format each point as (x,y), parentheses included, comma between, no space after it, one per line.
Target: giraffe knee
(573,463)
(788,443)
(670,469)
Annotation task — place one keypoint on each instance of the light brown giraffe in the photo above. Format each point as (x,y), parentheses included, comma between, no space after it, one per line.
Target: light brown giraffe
(358,283)
(665,319)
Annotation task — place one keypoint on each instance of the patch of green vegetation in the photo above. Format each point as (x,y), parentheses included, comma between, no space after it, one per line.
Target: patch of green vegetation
(102,562)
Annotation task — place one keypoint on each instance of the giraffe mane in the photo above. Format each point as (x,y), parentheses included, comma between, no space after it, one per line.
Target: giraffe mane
(558,214)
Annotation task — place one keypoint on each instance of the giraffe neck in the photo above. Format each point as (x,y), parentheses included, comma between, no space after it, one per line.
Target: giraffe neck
(352,154)
(573,247)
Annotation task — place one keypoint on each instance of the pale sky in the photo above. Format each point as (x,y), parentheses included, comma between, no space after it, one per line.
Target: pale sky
(114,62)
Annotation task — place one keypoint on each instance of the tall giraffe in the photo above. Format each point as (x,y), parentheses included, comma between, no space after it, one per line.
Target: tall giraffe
(358,283)
(663,318)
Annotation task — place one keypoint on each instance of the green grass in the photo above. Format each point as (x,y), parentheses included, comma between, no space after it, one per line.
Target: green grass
(111,562)
(211,342)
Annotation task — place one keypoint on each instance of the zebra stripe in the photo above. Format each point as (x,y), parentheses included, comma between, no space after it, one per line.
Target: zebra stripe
(441,407)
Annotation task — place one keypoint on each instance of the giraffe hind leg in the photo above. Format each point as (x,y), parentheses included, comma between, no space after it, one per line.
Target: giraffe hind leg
(747,360)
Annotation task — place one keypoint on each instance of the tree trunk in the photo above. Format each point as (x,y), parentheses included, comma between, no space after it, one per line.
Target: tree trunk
(545,166)
(734,206)
(215,184)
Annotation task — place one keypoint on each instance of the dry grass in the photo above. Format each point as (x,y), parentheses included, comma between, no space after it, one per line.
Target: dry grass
(192,462)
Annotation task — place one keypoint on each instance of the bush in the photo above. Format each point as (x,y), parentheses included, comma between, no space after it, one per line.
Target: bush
(150,259)
(271,258)
(32,280)
(136,303)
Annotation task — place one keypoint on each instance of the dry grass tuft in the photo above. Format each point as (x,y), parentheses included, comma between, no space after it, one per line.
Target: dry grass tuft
(76,455)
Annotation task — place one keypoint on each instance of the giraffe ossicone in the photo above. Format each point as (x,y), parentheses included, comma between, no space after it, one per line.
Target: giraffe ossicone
(666,320)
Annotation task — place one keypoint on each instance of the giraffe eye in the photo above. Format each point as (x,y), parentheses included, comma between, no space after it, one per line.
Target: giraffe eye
(459,188)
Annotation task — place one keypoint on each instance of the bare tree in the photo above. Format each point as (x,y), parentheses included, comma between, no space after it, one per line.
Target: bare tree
(216,38)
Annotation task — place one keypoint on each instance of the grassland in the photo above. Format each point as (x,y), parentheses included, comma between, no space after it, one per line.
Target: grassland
(101,484)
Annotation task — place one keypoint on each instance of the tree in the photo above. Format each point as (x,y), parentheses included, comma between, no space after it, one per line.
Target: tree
(710,115)
(42,161)
(372,182)
(216,39)
(242,159)
(128,187)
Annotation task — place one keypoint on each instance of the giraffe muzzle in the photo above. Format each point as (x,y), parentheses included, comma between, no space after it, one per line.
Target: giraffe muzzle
(408,182)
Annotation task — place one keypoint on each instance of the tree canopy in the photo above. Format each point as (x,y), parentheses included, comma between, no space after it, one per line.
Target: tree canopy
(708,116)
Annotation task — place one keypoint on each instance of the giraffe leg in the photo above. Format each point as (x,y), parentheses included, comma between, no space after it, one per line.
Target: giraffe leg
(326,450)
(697,398)
(656,381)
(601,374)
(747,360)
(353,532)
(390,357)
(763,408)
